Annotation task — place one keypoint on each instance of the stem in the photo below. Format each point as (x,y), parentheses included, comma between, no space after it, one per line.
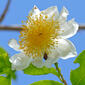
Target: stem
(19,28)
(62,78)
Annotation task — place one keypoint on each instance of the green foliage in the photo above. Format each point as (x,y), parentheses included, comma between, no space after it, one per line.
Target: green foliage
(46,82)
(5,81)
(4,59)
(5,68)
(78,75)
(32,70)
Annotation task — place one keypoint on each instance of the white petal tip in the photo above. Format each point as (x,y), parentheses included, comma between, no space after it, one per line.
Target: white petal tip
(64,12)
(35,7)
(74,54)
(11,42)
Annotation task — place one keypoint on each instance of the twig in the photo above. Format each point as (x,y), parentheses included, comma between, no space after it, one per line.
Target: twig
(14,28)
(18,28)
(62,78)
(81,26)
(5,11)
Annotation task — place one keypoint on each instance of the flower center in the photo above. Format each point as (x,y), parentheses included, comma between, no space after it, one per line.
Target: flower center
(38,36)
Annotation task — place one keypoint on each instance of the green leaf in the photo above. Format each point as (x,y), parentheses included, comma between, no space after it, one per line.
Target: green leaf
(4,58)
(78,75)
(5,65)
(5,81)
(46,82)
(4,62)
(32,70)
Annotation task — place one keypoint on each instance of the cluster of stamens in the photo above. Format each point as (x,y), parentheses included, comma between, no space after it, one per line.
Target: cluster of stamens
(38,35)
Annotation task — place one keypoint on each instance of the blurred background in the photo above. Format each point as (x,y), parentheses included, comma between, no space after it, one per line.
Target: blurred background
(18,11)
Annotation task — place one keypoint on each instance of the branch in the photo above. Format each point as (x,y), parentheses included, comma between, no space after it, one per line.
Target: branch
(14,28)
(18,28)
(82,27)
(5,11)
(62,78)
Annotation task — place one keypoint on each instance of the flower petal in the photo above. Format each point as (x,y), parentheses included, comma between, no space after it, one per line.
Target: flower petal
(69,29)
(51,11)
(20,61)
(52,57)
(35,11)
(63,15)
(38,62)
(66,49)
(51,60)
(13,44)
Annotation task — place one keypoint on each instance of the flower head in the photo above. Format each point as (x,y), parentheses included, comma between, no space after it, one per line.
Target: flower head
(44,37)
(39,36)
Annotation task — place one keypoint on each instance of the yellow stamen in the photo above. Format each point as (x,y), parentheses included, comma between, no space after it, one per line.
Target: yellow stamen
(38,37)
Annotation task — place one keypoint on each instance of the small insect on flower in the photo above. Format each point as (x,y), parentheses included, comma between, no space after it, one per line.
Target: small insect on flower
(44,36)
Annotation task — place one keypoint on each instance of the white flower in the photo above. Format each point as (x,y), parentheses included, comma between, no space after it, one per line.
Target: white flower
(44,39)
